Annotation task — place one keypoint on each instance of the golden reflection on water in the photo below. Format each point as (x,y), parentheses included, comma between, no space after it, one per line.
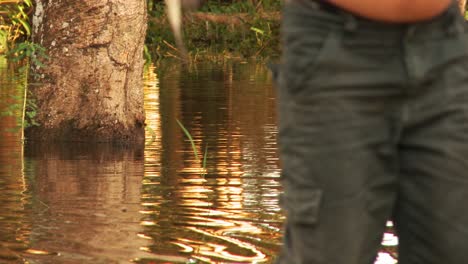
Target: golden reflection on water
(108,204)
(15,228)
(213,214)
(227,212)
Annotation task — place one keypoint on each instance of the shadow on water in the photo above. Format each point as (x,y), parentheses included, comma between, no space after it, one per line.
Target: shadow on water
(79,203)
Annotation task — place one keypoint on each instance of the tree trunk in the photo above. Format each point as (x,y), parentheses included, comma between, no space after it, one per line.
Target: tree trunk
(91,88)
(462,6)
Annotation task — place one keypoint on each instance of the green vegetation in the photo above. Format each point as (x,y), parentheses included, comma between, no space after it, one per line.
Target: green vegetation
(220,29)
(15,45)
(14,22)
(15,33)
(20,104)
(227,29)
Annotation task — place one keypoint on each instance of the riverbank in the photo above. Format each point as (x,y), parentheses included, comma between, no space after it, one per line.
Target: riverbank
(218,32)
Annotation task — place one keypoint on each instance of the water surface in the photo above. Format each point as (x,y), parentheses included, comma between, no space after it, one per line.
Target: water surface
(102,203)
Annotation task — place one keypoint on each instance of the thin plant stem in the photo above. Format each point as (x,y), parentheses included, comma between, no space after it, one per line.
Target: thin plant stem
(25,99)
(205,155)
(192,142)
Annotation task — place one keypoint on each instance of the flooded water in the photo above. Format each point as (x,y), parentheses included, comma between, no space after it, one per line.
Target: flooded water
(79,203)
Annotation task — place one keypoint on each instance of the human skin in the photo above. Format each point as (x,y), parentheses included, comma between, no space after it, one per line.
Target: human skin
(394,11)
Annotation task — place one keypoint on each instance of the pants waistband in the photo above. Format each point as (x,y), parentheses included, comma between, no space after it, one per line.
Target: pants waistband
(307,13)
(322,4)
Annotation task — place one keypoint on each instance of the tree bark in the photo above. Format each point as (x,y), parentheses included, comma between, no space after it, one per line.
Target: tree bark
(91,87)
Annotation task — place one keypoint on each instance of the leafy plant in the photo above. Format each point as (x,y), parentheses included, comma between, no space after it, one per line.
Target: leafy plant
(14,21)
(15,32)
(28,50)
(27,54)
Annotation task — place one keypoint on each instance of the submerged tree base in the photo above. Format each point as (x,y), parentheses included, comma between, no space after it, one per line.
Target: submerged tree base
(91,88)
(70,132)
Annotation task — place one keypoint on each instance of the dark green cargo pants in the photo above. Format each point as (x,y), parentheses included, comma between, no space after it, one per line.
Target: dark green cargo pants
(373,126)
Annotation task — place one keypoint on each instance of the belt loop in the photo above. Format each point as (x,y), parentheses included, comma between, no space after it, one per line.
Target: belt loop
(455,20)
(456,25)
(350,23)
(411,30)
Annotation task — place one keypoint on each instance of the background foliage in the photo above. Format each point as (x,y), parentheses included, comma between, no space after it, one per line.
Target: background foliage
(14,22)
(220,28)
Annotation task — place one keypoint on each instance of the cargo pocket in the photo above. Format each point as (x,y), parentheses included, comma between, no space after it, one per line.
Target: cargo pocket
(302,207)
(304,56)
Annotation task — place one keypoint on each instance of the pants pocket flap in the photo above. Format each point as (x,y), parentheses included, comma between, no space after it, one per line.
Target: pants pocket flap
(302,206)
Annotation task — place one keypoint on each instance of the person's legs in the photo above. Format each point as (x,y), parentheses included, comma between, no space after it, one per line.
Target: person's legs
(431,213)
(340,91)
(431,216)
